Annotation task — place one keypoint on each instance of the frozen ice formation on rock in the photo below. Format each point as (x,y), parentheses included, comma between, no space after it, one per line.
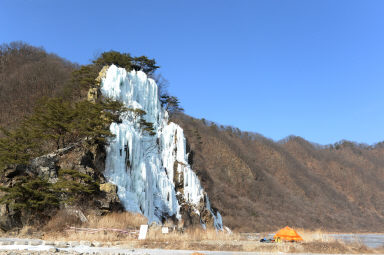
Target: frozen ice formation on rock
(151,171)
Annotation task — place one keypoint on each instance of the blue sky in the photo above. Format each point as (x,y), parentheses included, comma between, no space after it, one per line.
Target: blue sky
(312,68)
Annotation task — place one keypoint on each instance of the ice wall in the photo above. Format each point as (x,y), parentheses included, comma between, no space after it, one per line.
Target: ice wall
(147,167)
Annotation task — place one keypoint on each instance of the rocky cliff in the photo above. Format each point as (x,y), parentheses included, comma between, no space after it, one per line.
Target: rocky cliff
(88,160)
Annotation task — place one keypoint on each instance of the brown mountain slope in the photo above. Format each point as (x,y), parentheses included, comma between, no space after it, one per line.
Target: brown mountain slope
(256,183)
(260,185)
(26,74)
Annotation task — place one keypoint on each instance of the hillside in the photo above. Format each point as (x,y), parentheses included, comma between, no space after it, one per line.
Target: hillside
(258,184)
(28,73)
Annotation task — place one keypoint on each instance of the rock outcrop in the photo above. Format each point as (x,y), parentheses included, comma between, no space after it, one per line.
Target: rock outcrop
(94,92)
(89,160)
(9,218)
(110,200)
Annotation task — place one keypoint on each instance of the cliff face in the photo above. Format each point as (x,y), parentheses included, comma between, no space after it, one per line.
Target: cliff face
(260,185)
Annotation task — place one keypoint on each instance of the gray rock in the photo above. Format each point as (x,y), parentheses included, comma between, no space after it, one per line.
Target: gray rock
(97,244)
(86,243)
(46,166)
(21,242)
(53,250)
(49,242)
(13,170)
(9,218)
(77,213)
(74,243)
(61,244)
(36,242)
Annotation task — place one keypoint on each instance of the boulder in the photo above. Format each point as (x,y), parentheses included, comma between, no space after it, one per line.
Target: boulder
(9,219)
(76,212)
(109,199)
(108,188)
(14,170)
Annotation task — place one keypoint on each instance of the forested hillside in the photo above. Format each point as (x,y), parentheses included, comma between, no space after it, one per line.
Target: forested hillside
(52,145)
(258,184)
(26,74)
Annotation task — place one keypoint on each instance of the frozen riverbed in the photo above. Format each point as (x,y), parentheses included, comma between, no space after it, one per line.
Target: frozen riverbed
(370,240)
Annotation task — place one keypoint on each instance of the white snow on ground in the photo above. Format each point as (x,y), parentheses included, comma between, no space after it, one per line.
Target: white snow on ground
(26,247)
(144,166)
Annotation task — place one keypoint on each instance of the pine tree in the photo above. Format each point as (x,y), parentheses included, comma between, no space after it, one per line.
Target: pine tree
(33,195)
(92,121)
(114,57)
(17,146)
(171,104)
(52,120)
(74,185)
(126,61)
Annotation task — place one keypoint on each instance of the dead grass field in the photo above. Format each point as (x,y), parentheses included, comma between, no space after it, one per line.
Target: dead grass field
(58,228)
(316,241)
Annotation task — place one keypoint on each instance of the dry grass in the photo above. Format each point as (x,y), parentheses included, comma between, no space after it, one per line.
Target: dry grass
(317,241)
(192,239)
(197,239)
(57,228)
(193,234)
(255,246)
(61,221)
(26,231)
(123,220)
(311,236)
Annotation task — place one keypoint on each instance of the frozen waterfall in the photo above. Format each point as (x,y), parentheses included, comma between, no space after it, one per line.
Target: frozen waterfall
(145,167)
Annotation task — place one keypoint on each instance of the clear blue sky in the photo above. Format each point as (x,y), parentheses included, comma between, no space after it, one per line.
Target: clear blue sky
(312,68)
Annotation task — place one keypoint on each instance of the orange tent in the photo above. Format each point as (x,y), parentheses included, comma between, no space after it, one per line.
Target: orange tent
(288,234)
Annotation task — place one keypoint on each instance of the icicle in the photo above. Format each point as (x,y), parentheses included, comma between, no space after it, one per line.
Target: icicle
(148,187)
